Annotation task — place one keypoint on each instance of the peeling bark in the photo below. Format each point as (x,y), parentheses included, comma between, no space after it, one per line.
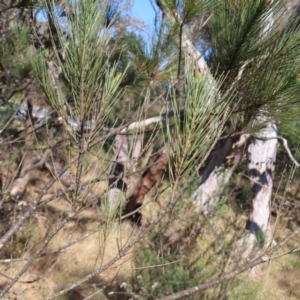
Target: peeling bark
(146,183)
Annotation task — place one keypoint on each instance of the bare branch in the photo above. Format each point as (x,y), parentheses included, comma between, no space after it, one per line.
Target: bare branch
(35,279)
(285,145)
(254,181)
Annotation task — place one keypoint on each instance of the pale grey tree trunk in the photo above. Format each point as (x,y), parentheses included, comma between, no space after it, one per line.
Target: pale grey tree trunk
(216,175)
(261,162)
(261,159)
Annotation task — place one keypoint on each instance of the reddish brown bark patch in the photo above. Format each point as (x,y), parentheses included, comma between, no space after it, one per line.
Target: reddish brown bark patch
(149,178)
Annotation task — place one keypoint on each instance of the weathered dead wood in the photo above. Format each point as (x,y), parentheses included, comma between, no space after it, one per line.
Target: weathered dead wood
(261,164)
(117,182)
(120,183)
(120,158)
(137,150)
(213,178)
(223,162)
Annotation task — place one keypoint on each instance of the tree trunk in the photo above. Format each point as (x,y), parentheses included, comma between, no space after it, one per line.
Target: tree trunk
(223,162)
(261,163)
(214,177)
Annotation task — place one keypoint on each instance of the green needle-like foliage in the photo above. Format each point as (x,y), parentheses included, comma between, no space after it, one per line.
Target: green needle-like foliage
(13,53)
(189,10)
(180,113)
(204,114)
(90,85)
(257,47)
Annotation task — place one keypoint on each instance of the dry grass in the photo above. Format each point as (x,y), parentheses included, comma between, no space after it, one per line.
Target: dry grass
(76,261)
(204,240)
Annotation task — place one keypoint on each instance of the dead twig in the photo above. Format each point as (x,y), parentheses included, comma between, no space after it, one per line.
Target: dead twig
(254,181)
(286,147)
(32,280)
